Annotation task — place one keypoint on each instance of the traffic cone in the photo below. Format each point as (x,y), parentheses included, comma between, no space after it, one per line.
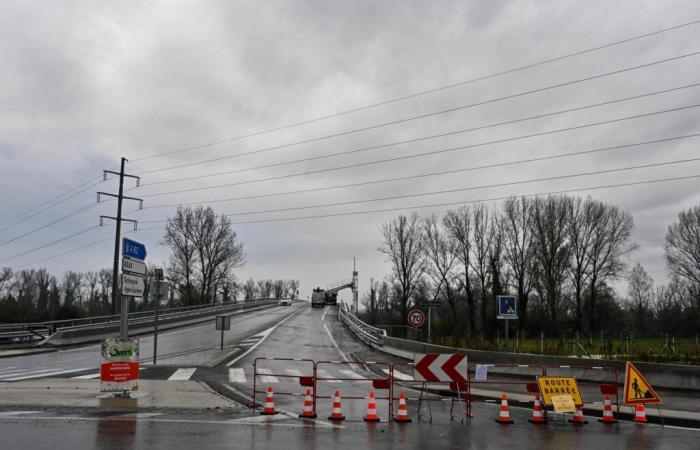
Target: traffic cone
(640,415)
(337,412)
(537,412)
(308,406)
(607,411)
(402,415)
(269,408)
(504,414)
(371,415)
(578,419)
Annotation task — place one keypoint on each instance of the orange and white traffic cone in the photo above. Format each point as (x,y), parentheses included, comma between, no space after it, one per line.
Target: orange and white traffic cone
(578,419)
(607,411)
(337,413)
(402,415)
(269,408)
(371,415)
(504,413)
(640,415)
(537,412)
(308,406)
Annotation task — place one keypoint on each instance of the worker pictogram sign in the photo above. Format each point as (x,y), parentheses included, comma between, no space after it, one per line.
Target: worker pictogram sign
(416,318)
(637,388)
(555,386)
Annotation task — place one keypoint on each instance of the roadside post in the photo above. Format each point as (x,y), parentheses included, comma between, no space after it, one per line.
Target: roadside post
(430,305)
(507,310)
(223,323)
(416,318)
(159,288)
(133,271)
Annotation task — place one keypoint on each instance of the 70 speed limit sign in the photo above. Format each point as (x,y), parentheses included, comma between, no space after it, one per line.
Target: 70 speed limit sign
(416,318)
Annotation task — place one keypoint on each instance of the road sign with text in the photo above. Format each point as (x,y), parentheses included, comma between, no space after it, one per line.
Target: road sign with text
(554,386)
(132,285)
(416,318)
(440,367)
(133,266)
(133,249)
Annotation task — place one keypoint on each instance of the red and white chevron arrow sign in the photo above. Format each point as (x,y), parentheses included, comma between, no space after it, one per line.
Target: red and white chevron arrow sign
(440,367)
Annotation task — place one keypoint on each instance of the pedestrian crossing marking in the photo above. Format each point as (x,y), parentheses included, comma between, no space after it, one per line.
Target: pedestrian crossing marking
(265,376)
(236,375)
(182,374)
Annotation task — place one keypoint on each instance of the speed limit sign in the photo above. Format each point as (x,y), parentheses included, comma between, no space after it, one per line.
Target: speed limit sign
(416,318)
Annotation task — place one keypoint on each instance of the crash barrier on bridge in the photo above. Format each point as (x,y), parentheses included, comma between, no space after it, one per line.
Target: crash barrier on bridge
(305,373)
(607,388)
(34,331)
(368,334)
(379,383)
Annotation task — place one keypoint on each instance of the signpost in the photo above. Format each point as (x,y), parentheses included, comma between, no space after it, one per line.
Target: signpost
(119,371)
(507,310)
(440,367)
(133,266)
(133,249)
(158,288)
(133,269)
(556,386)
(132,285)
(223,323)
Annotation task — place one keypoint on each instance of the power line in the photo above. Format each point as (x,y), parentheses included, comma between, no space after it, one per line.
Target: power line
(36,212)
(399,158)
(423,116)
(452,133)
(462,202)
(431,174)
(49,244)
(53,222)
(450,191)
(63,253)
(424,92)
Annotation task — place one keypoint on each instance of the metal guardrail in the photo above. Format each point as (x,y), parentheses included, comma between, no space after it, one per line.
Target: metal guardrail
(366,333)
(27,332)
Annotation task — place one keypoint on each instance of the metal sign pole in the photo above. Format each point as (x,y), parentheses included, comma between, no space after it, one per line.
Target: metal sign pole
(505,343)
(159,277)
(124,318)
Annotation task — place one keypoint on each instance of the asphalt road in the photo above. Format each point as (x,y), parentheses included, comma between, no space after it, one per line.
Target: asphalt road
(314,334)
(86,359)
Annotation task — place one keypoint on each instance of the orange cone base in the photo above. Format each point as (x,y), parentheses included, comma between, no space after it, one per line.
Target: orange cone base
(338,417)
(641,421)
(578,422)
(607,421)
(402,419)
(371,419)
(311,415)
(538,421)
(504,421)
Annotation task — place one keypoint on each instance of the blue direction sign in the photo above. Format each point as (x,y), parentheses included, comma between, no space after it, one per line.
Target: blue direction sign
(133,249)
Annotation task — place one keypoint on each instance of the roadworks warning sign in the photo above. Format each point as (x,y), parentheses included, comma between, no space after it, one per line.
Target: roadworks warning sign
(637,388)
(554,386)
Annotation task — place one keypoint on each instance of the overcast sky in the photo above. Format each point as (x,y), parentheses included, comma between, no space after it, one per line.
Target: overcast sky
(83,83)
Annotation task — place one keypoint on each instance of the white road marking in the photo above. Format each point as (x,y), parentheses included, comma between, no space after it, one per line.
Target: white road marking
(399,375)
(16,413)
(47,374)
(323,317)
(264,334)
(7,369)
(236,375)
(87,377)
(260,419)
(15,373)
(323,374)
(182,374)
(335,344)
(296,373)
(265,376)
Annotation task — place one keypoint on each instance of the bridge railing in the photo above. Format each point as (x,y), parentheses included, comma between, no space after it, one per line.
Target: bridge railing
(338,285)
(365,332)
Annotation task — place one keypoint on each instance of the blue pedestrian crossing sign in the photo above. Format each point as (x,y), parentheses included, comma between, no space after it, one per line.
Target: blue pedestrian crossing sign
(133,249)
(507,307)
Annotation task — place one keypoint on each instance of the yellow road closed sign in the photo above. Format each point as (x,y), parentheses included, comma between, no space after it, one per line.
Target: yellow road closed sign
(563,404)
(555,386)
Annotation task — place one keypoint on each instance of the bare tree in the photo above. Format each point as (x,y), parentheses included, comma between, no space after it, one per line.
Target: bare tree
(609,245)
(265,288)
(459,225)
(105,277)
(250,290)
(683,246)
(518,249)
(205,250)
(480,254)
(5,281)
(441,259)
(403,248)
(43,283)
(581,227)
(71,288)
(551,252)
(640,289)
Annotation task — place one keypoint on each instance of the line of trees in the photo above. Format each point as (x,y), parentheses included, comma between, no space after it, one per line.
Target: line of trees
(560,255)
